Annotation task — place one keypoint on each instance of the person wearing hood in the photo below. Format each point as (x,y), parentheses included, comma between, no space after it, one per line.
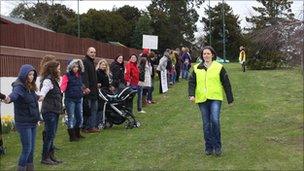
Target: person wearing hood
(206,85)
(26,113)
(72,87)
(118,70)
(90,103)
(135,80)
(51,98)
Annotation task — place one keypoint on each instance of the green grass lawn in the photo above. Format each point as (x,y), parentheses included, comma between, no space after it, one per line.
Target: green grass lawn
(263,129)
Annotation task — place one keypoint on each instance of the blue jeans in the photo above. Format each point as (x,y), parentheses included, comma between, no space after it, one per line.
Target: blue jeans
(74,111)
(149,91)
(210,111)
(91,120)
(50,128)
(173,77)
(99,116)
(139,96)
(27,138)
(185,74)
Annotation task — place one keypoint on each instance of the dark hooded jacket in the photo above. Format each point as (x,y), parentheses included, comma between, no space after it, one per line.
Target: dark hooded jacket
(118,73)
(74,85)
(26,108)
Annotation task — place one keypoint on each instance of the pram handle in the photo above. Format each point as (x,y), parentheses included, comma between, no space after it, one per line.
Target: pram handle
(103,93)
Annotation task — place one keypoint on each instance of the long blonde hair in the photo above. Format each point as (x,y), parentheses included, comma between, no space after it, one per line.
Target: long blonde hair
(107,66)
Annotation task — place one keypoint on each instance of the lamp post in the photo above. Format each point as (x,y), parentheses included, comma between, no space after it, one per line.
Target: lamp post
(224,28)
(209,24)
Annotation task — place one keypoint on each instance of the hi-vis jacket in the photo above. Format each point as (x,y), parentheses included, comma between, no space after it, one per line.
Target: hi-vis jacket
(208,83)
(242,56)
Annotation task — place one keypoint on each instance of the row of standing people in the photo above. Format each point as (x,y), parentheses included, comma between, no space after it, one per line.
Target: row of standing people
(79,85)
(176,64)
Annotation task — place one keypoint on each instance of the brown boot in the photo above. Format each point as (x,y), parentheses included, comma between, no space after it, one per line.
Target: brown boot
(144,101)
(72,135)
(47,160)
(30,167)
(77,133)
(53,158)
(20,168)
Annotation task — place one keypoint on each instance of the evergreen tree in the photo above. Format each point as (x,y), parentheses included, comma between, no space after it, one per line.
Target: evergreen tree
(50,16)
(267,38)
(271,13)
(174,22)
(142,26)
(233,35)
(131,16)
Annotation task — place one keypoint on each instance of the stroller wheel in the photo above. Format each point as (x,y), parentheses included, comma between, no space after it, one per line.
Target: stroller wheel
(137,124)
(101,126)
(129,125)
(109,125)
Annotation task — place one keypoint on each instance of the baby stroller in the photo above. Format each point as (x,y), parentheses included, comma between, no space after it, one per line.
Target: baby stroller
(117,108)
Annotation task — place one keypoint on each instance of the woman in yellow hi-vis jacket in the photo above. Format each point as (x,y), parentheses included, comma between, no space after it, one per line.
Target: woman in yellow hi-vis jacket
(242,57)
(206,85)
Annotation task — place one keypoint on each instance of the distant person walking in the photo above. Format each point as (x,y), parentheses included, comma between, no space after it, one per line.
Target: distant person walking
(242,58)
(206,85)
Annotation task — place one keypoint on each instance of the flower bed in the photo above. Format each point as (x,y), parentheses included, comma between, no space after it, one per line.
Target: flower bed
(7,123)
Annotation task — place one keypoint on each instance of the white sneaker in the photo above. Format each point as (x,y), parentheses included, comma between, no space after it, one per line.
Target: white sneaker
(142,111)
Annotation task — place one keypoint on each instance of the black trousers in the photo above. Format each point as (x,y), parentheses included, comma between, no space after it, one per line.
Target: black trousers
(160,83)
(178,70)
(1,141)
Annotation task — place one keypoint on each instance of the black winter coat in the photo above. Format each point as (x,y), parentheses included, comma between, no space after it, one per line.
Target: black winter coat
(89,77)
(118,73)
(103,79)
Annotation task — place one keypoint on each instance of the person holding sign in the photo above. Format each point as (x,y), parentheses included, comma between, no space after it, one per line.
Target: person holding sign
(206,85)
(162,72)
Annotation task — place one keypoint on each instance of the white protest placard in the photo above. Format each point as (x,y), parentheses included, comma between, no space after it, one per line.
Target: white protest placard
(150,42)
(164,82)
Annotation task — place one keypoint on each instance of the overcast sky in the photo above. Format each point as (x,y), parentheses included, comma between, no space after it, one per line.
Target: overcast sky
(241,8)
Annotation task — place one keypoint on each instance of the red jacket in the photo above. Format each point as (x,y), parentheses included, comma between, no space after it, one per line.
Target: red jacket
(132,73)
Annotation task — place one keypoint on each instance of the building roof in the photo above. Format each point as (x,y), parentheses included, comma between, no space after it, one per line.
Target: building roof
(117,44)
(10,20)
